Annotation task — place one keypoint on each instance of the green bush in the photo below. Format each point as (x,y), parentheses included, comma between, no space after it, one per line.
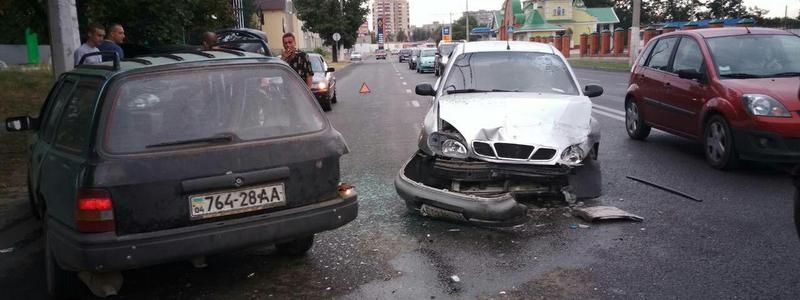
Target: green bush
(321,51)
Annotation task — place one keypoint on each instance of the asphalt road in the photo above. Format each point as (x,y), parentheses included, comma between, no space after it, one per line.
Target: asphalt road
(738,243)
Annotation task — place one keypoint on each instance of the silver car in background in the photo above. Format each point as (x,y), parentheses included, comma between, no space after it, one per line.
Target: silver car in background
(508,122)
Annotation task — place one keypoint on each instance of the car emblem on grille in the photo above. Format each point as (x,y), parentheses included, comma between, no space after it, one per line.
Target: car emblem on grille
(238,181)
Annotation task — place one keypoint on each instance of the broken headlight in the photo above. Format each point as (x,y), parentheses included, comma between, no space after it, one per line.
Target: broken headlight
(447,144)
(573,155)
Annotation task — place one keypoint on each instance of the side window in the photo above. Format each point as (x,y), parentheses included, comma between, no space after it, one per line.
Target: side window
(54,106)
(645,54)
(73,128)
(659,59)
(688,56)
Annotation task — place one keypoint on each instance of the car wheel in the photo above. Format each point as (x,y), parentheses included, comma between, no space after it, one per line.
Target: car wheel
(296,247)
(634,122)
(325,102)
(334,99)
(60,283)
(718,144)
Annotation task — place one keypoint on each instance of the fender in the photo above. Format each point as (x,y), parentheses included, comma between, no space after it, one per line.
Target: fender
(719,105)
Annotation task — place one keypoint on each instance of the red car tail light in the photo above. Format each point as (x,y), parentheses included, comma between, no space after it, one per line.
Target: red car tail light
(94,213)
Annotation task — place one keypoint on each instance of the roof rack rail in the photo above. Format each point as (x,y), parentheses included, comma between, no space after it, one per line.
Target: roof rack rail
(234,52)
(138,60)
(166,55)
(195,52)
(114,67)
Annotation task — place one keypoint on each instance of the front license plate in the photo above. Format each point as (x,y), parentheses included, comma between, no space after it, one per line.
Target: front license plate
(237,201)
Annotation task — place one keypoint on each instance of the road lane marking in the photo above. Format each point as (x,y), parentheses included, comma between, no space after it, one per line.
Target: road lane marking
(414,103)
(404,83)
(408,91)
(613,116)
(608,109)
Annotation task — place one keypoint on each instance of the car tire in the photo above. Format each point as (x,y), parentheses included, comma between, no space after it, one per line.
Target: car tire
(718,145)
(60,283)
(296,247)
(325,102)
(634,122)
(334,99)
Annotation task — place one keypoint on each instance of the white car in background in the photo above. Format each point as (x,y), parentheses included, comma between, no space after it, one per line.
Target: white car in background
(355,56)
(508,122)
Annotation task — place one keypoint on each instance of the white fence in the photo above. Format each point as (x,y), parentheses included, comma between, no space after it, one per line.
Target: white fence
(18,54)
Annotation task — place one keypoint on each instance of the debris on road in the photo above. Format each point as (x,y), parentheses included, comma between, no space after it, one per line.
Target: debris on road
(673,191)
(603,213)
(582,226)
(455,278)
(573,226)
(199,262)
(102,284)
(7,250)
(502,292)
(251,275)
(454,230)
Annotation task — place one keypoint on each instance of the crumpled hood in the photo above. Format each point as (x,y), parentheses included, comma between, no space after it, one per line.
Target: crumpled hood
(548,120)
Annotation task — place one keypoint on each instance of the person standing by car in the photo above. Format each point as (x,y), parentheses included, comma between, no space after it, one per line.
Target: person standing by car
(94,36)
(116,35)
(209,41)
(297,59)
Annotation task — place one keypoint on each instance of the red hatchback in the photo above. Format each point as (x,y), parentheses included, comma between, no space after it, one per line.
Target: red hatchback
(736,90)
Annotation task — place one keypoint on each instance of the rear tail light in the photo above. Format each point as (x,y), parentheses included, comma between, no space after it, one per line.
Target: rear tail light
(95,211)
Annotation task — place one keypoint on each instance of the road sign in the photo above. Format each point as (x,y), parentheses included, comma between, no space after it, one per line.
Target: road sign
(446,33)
(364,88)
(337,37)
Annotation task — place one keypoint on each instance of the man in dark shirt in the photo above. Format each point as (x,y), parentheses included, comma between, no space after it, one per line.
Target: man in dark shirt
(115,35)
(297,59)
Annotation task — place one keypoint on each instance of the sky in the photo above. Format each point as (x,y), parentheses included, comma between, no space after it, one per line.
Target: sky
(427,11)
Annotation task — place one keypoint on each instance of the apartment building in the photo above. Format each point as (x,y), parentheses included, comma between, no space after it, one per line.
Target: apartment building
(396,16)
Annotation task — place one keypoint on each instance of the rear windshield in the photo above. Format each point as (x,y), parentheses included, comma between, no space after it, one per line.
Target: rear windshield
(447,49)
(165,110)
(428,52)
(756,55)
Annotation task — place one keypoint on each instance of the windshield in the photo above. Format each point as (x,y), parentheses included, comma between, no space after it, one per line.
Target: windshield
(316,64)
(208,105)
(755,55)
(510,71)
(447,49)
(428,53)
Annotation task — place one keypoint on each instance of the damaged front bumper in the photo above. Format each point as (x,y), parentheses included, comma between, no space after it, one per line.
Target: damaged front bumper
(486,193)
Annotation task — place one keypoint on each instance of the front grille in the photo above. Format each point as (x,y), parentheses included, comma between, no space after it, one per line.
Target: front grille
(483,149)
(544,154)
(513,151)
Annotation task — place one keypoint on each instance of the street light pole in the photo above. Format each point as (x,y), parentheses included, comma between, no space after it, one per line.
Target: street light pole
(466,14)
(637,7)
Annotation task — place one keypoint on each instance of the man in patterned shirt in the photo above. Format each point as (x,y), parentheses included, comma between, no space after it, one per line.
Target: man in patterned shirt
(297,59)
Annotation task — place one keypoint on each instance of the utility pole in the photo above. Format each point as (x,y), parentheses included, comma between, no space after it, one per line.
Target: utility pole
(466,15)
(637,7)
(64,36)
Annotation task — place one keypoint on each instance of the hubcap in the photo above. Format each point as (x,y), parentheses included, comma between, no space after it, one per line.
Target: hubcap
(716,139)
(632,117)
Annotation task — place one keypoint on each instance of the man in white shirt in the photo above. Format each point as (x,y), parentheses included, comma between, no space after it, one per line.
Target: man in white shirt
(94,37)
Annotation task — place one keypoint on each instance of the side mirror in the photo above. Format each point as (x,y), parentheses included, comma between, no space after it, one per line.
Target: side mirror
(21,124)
(331,69)
(425,89)
(691,74)
(592,90)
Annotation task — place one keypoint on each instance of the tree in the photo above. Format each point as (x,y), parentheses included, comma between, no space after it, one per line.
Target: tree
(420,34)
(720,9)
(327,17)
(459,30)
(401,36)
(757,13)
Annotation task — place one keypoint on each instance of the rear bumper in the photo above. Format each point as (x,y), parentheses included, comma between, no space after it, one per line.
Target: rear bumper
(108,252)
(426,67)
(766,146)
(322,94)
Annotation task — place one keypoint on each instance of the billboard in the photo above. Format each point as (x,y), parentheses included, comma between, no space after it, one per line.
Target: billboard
(446,33)
(380,32)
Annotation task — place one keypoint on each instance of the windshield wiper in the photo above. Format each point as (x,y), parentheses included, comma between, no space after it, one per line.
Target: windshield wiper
(741,75)
(226,138)
(784,74)
(466,91)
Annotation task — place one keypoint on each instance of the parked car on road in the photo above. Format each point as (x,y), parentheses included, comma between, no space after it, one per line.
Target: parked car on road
(504,125)
(442,55)
(380,54)
(176,156)
(733,89)
(324,82)
(426,60)
(405,55)
(355,56)
(412,63)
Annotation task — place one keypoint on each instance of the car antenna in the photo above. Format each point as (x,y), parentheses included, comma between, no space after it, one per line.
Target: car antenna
(510,31)
(748,29)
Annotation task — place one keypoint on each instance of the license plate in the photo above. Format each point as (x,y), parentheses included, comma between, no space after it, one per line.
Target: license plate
(237,201)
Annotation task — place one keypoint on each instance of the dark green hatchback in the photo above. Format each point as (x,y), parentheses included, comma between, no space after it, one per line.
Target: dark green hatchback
(177,156)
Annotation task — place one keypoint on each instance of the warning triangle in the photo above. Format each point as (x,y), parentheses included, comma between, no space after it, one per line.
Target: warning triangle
(364,88)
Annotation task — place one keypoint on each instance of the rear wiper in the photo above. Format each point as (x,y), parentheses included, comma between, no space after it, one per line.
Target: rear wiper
(741,75)
(214,139)
(466,91)
(784,74)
